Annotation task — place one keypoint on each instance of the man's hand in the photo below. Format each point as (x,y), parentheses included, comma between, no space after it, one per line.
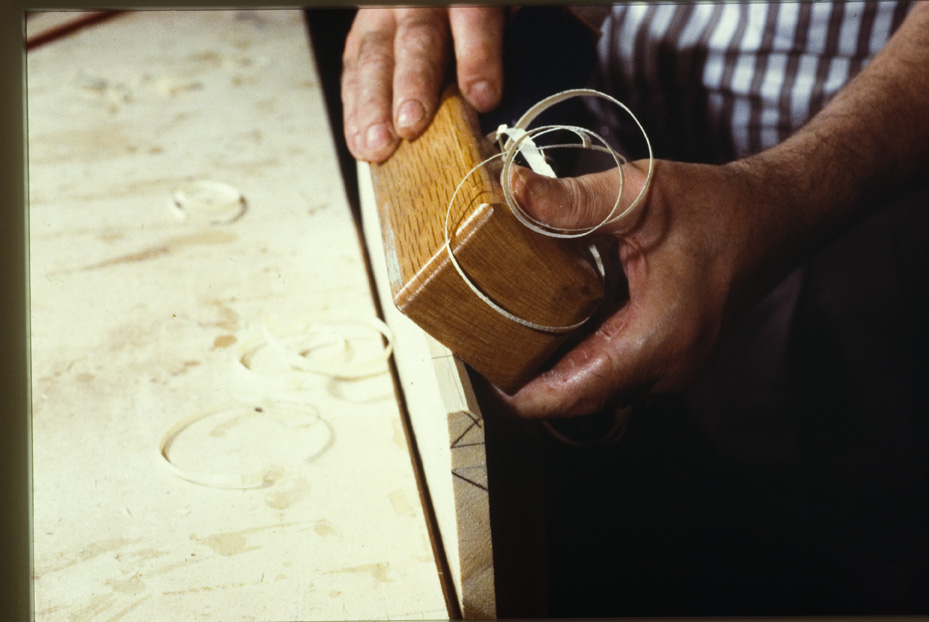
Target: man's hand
(709,241)
(394,67)
(688,254)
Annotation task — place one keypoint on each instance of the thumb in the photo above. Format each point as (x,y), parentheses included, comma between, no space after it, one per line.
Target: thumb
(579,203)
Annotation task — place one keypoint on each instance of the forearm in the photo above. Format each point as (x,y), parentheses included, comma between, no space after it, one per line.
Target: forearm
(870,142)
(878,126)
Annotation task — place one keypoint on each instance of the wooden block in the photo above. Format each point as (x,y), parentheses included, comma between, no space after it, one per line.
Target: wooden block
(548,281)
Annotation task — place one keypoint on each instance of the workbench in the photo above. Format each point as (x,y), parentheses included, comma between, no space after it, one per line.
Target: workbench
(190,216)
(143,307)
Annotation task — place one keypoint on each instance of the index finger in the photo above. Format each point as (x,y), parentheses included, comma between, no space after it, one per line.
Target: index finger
(478,36)
(420,52)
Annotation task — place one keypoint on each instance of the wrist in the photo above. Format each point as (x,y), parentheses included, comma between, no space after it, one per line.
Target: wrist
(778,220)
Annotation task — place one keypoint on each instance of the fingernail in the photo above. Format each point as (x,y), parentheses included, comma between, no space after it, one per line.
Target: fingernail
(482,95)
(525,184)
(518,185)
(410,113)
(377,137)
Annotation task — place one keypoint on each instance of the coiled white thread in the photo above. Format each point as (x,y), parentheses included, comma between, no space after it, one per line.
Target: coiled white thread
(293,351)
(520,142)
(294,346)
(291,415)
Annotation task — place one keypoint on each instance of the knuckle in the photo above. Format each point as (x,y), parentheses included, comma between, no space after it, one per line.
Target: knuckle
(420,38)
(349,84)
(367,22)
(417,80)
(579,202)
(375,50)
(478,34)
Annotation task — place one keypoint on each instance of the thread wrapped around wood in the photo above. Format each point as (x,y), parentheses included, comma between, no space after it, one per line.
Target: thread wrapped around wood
(549,281)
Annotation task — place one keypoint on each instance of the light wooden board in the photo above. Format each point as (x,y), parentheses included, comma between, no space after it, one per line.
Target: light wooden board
(136,317)
(448,426)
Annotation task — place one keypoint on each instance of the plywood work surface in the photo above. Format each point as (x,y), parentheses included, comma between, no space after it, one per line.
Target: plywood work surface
(140,311)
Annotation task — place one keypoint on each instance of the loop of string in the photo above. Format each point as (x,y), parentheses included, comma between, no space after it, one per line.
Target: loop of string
(519,142)
(290,415)
(294,357)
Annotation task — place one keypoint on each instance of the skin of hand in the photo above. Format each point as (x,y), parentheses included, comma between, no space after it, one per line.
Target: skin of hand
(394,67)
(681,277)
(709,241)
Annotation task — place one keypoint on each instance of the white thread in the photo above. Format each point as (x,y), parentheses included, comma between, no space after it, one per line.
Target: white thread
(614,433)
(206,199)
(529,116)
(340,364)
(535,157)
(265,476)
(306,338)
(520,142)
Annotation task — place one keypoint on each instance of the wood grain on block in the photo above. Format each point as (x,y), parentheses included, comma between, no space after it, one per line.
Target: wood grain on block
(548,281)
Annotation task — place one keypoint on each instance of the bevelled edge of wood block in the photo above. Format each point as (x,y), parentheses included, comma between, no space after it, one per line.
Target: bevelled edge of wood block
(545,280)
